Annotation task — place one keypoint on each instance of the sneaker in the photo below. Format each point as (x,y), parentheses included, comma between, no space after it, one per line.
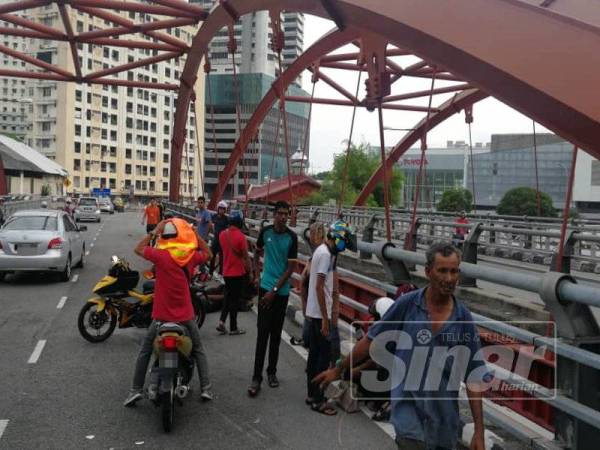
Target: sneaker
(134,396)
(237,332)
(272,380)
(221,329)
(254,388)
(206,395)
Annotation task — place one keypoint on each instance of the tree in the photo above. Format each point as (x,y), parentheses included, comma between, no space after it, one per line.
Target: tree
(362,163)
(455,200)
(522,201)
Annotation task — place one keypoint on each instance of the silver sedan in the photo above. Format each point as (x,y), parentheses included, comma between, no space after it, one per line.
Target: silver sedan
(41,240)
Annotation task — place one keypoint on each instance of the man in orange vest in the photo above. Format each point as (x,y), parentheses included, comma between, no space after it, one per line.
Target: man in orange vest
(151,216)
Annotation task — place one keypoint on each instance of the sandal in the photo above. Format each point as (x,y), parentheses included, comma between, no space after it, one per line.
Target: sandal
(383,414)
(296,341)
(324,408)
(237,332)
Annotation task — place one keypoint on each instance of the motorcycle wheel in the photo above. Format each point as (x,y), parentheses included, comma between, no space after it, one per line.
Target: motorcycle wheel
(93,320)
(200,310)
(167,403)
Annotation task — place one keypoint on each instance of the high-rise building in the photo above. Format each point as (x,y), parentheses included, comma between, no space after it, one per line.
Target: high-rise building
(115,137)
(257,66)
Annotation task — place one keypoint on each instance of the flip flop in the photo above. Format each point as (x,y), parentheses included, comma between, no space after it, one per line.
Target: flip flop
(324,408)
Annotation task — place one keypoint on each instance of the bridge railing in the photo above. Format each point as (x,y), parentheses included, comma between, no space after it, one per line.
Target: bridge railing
(577,413)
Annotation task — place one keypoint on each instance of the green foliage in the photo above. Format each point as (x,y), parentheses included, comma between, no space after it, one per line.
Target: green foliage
(362,163)
(456,200)
(522,201)
(320,176)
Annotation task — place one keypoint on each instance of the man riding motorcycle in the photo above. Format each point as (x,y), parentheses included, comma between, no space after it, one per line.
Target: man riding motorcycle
(178,251)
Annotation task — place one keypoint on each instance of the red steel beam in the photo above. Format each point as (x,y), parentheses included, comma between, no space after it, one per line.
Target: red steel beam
(183,6)
(30,24)
(23,5)
(447,109)
(127,43)
(332,101)
(34,61)
(133,65)
(336,86)
(139,28)
(132,83)
(69,30)
(339,57)
(426,93)
(6,31)
(33,75)
(116,19)
(136,7)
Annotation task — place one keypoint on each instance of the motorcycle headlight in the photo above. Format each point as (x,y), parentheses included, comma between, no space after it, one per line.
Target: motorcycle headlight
(97,211)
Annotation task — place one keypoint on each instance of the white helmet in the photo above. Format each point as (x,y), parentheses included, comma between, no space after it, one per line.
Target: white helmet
(222,204)
(380,306)
(44,204)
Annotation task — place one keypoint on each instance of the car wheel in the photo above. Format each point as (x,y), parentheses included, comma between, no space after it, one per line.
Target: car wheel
(81,262)
(65,275)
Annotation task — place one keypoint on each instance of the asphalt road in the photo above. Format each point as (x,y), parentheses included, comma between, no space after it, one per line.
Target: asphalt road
(70,396)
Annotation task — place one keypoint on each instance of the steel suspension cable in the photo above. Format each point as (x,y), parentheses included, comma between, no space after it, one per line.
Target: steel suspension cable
(538,196)
(275,149)
(473,200)
(413,219)
(566,211)
(306,131)
(232,49)
(347,160)
(386,183)
(212,117)
(200,162)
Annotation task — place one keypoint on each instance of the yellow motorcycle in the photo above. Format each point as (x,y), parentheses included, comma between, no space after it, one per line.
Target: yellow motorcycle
(117,301)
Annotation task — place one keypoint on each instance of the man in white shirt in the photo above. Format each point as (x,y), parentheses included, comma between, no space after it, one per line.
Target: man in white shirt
(319,309)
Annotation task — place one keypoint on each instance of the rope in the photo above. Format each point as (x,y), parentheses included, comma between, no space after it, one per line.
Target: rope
(413,220)
(347,161)
(312,95)
(566,211)
(538,196)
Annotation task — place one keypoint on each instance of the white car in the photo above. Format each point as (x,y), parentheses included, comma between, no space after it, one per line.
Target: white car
(87,208)
(106,205)
(41,240)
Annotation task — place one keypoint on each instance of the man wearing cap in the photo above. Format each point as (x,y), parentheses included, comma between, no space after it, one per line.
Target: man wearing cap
(220,223)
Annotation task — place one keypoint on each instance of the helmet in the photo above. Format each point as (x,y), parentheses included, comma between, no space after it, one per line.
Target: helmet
(236,218)
(343,236)
(222,204)
(380,306)
(44,204)
(179,239)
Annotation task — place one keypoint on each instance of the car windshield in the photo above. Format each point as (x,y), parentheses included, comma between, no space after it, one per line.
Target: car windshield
(31,223)
(87,202)
(105,201)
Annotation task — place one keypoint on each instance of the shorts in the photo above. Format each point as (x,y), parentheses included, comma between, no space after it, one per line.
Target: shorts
(150,227)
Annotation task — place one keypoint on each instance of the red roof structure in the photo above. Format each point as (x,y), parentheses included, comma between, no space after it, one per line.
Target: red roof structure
(302,186)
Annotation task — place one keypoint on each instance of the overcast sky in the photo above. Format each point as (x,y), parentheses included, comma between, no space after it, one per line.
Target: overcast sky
(330,125)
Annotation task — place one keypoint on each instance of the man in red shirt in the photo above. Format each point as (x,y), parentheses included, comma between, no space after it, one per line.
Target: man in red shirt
(237,269)
(461,232)
(172,300)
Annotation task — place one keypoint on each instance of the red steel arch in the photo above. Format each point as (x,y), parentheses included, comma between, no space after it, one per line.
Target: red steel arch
(532,80)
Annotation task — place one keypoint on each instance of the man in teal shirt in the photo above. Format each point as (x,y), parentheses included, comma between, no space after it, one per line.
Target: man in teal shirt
(280,247)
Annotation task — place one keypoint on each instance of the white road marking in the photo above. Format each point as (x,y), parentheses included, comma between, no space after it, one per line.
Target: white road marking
(92,244)
(75,278)
(61,302)
(94,240)
(87,253)
(3,425)
(37,351)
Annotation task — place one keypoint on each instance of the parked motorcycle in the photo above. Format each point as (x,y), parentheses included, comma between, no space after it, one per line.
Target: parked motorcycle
(172,371)
(117,301)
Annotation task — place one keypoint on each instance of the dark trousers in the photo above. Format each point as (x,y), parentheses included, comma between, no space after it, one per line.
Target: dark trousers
(319,357)
(234,287)
(269,324)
